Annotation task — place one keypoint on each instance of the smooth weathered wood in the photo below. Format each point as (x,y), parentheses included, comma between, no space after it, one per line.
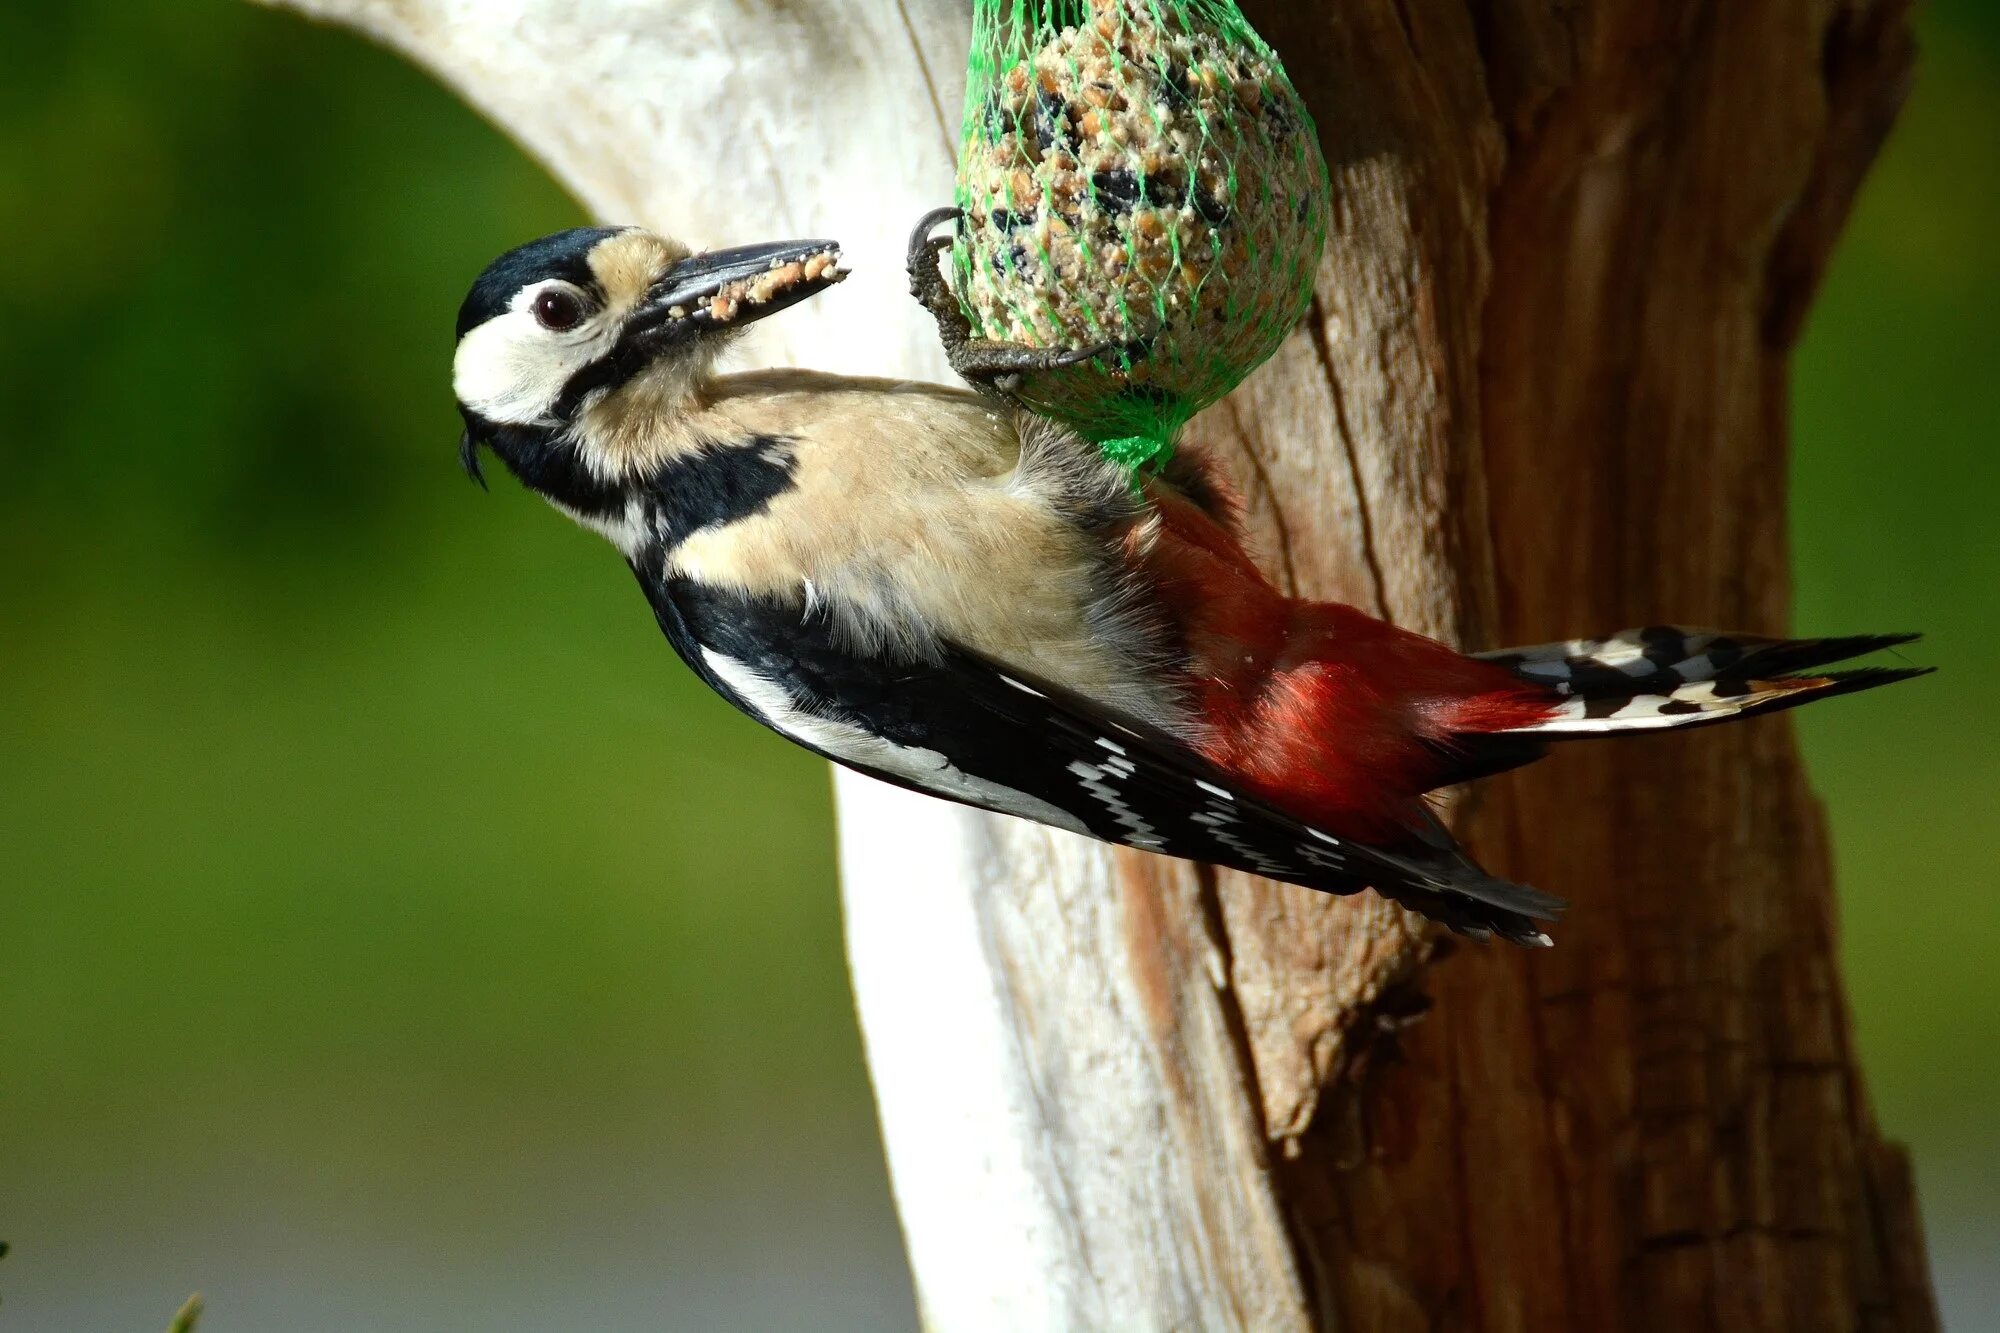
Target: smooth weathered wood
(1542,393)
(1064,1096)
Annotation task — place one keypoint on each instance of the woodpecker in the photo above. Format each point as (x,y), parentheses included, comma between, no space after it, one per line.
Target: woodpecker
(930,587)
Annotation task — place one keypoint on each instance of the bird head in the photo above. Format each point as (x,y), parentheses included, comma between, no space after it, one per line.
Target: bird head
(572,348)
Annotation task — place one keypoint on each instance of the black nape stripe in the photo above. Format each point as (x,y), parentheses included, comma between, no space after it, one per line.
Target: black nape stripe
(548,465)
(720,484)
(637,348)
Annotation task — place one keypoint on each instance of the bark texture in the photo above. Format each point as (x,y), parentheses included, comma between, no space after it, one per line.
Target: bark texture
(1543,393)
(1615,217)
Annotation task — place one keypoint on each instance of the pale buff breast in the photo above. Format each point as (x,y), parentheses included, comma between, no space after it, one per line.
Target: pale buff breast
(912,515)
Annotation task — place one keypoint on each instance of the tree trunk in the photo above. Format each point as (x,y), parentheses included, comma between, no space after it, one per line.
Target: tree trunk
(1542,393)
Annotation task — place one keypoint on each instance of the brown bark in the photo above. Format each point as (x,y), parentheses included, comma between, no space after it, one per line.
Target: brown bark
(1546,395)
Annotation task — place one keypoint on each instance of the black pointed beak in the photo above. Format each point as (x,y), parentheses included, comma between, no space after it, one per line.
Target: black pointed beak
(726,289)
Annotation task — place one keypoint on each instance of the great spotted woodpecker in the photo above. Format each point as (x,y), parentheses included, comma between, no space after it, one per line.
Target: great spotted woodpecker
(926,586)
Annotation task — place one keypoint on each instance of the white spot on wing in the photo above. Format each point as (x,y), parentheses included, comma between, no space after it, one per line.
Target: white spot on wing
(1321,858)
(1143,834)
(1217,820)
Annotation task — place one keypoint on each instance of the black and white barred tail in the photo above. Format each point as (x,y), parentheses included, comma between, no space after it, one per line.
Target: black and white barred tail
(1666,678)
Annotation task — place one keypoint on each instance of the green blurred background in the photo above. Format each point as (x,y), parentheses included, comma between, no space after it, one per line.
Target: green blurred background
(392,935)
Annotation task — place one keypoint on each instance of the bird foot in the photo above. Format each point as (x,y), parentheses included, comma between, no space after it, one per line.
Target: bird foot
(992,367)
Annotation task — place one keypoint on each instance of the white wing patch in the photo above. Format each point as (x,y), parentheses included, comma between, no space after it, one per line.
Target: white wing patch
(926,768)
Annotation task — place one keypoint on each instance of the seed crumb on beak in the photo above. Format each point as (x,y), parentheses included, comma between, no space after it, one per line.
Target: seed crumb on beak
(776,280)
(727,301)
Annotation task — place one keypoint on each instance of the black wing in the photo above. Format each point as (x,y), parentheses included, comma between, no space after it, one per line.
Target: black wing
(969,730)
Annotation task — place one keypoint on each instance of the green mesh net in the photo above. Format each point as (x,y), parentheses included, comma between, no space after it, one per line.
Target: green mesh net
(1138,173)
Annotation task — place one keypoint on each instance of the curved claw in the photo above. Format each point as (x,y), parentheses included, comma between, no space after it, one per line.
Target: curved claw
(928,223)
(923,246)
(1083,354)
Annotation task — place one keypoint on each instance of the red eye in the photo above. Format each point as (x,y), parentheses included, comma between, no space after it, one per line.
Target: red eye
(557,309)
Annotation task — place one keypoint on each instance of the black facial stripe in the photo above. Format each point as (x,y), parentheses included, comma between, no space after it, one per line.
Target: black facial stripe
(604,373)
(719,485)
(638,347)
(565,255)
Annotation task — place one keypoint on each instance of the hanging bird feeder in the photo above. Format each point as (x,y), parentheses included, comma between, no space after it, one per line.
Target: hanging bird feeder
(1137,176)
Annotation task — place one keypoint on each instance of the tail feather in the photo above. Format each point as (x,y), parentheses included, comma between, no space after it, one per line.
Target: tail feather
(1704,702)
(1785,657)
(1661,658)
(1640,681)
(1666,678)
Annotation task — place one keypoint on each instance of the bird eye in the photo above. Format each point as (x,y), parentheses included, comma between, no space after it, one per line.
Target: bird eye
(557,309)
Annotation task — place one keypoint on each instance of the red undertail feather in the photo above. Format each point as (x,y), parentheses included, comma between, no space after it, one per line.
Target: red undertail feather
(1346,721)
(1343,719)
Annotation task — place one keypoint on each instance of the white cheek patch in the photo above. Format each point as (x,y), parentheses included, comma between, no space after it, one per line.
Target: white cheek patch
(511,370)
